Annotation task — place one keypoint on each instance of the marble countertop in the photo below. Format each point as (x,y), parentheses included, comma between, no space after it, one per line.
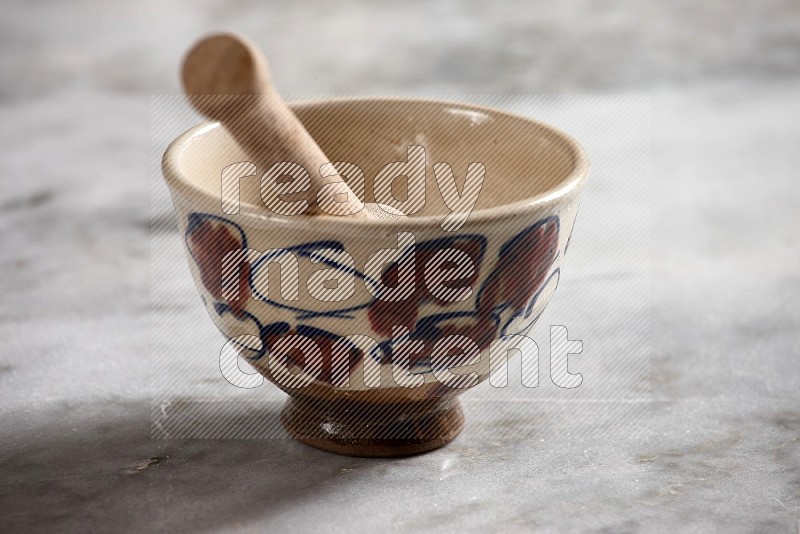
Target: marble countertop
(682,280)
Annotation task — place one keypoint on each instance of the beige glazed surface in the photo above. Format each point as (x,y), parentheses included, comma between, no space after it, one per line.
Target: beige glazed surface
(516,236)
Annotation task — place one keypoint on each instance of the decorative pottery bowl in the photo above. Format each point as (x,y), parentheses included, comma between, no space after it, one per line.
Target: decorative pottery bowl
(368,375)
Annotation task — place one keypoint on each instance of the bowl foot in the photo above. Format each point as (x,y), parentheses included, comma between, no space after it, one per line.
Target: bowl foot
(370,429)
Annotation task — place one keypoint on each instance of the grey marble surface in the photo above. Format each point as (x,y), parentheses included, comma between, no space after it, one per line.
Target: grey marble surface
(684,294)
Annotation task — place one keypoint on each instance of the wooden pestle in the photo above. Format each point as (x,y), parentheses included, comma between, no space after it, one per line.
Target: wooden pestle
(227,79)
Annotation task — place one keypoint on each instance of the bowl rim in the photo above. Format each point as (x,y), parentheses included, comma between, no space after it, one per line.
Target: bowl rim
(572,183)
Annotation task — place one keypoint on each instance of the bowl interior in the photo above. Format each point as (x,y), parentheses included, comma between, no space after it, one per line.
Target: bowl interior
(524,159)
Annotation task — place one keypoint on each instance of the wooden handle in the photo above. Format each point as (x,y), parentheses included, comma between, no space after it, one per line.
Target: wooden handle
(228,80)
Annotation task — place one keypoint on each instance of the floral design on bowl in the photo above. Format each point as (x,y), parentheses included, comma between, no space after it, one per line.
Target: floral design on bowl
(515,238)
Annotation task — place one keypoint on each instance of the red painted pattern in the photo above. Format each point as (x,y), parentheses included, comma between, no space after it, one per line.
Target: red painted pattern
(519,273)
(209,243)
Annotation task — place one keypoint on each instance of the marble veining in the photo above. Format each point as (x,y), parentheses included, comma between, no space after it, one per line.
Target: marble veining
(700,432)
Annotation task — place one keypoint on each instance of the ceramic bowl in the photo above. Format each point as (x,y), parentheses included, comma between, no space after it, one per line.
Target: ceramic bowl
(379,384)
